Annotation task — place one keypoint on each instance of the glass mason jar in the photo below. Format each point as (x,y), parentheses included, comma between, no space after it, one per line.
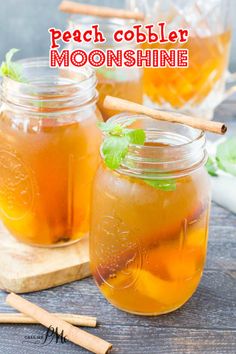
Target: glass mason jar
(47,160)
(150,220)
(122,82)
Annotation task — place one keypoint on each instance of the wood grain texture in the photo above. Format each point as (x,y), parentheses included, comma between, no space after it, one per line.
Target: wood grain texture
(24,268)
(206,324)
(135,340)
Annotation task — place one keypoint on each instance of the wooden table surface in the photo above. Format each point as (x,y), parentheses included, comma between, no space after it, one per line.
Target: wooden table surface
(205,325)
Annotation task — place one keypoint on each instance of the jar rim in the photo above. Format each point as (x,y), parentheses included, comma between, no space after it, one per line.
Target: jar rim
(44,62)
(125,116)
(164,160)
(56,89)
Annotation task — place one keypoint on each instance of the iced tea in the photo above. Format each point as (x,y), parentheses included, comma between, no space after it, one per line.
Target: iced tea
(148,245)
(48,156)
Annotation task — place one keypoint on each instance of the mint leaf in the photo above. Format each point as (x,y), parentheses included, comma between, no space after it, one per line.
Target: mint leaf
(168,185)
(114,150)
(226,156)
(110,127)
(116,144)
(117,140)
(136,136)
(11,69)
(106,127)
(211,167)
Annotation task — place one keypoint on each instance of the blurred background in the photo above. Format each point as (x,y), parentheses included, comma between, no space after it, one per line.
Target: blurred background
(24,24)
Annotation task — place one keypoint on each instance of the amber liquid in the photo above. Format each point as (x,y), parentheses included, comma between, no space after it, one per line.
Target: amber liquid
(208,59)
(47,167)
(152,243)
(130,90)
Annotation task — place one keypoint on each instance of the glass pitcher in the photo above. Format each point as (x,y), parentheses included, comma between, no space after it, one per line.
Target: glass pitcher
(198,89)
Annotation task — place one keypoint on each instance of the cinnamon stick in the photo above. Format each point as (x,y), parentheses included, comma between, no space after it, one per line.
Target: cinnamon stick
(119,104)
(77,320)
(49,320)
(100,11)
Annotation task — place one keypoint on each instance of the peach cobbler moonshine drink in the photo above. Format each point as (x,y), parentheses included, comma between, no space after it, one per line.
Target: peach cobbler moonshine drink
(149,220)
(49,144)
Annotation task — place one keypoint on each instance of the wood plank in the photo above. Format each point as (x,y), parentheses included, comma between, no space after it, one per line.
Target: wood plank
(24,268)
(129,339)
(211,307)
(221,217)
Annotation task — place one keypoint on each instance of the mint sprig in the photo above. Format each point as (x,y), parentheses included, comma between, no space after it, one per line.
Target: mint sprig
(226,156)
(211,167)
(117,141)
(11,69)
(114,150)
(116,144)
(224,159)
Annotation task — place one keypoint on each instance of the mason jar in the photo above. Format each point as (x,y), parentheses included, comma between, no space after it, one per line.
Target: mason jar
(149,223)
(49,144)
(122,82)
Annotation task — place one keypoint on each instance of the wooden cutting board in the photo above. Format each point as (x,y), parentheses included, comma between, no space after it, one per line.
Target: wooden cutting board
(24,268)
